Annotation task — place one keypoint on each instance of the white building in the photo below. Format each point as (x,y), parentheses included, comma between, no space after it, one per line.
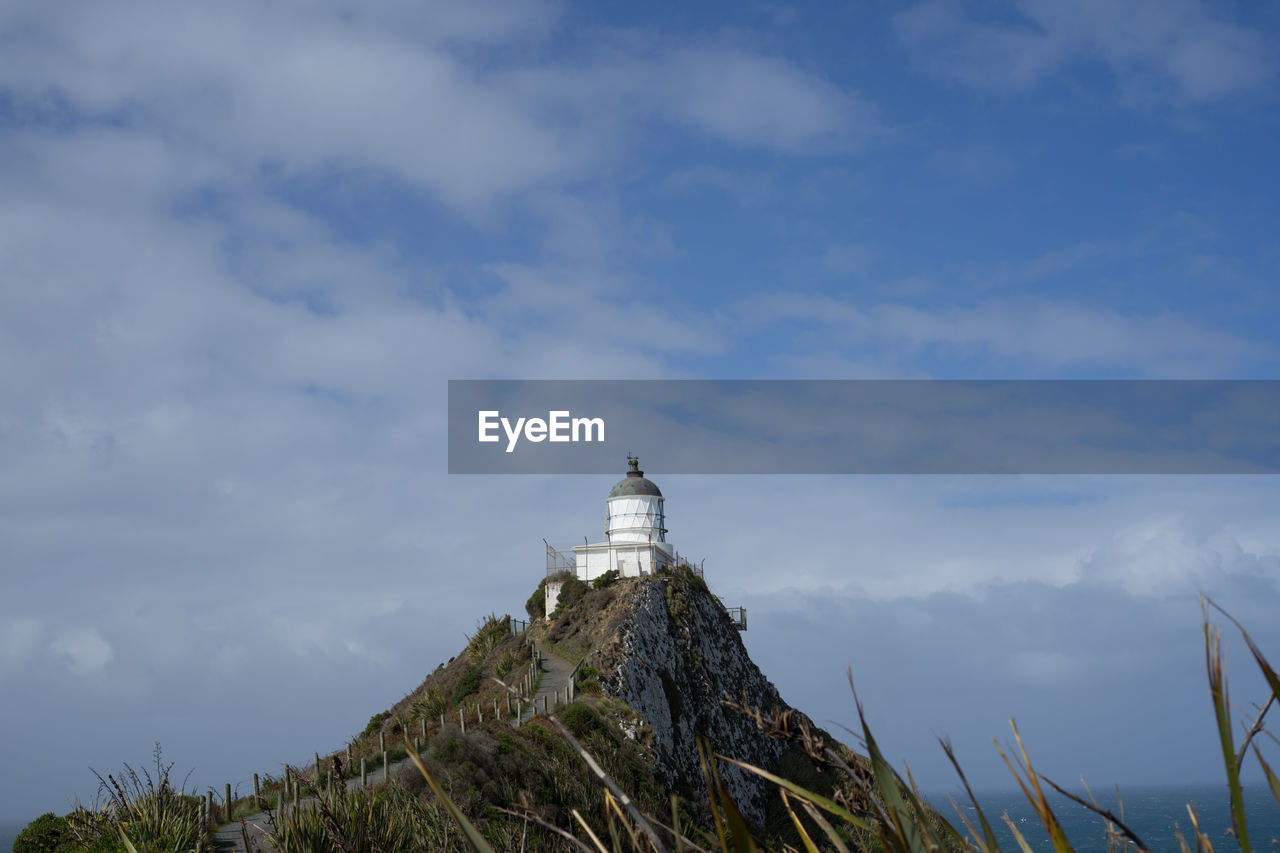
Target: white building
(635,536)
(635,542)
(635,531)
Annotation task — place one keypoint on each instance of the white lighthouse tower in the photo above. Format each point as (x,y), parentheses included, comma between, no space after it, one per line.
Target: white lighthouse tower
(635,531)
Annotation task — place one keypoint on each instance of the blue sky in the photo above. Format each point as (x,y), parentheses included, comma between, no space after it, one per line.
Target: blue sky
(246,245)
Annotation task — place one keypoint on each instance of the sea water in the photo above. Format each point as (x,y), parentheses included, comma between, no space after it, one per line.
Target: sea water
(9,833)
(1154,814)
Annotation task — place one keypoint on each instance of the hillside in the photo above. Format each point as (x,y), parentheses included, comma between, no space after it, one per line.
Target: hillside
(638,671)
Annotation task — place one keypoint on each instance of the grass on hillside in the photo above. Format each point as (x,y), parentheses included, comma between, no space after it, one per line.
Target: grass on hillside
(574,784)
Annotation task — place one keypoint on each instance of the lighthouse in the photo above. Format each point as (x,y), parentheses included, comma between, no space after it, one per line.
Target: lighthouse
(635,543)
(635,531)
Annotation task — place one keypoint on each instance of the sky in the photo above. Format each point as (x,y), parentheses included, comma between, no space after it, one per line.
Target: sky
(244,246)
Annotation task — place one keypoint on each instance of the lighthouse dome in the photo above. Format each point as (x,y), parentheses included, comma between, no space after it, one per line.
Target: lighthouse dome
(635,483)
(634,510)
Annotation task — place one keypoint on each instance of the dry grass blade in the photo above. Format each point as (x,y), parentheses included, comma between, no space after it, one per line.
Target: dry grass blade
(469,831)
(901,826)
(595,839)
(1203,844)
(795,820)
(1254,730)
(712,777)
(975,840)
(1215,664)
(634,812)
(817,799)
(1033,793)
(531,816)
(1017,836)
(988,840)
(1273,680)
(1098,810)
(739,832)
(821,821)
(1272,782)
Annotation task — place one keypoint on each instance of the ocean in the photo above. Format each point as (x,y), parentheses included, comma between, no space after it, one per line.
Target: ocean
(1152,813)
(9,833)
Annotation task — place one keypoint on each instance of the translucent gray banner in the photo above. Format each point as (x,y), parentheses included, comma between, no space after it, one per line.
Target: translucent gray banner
(865,427)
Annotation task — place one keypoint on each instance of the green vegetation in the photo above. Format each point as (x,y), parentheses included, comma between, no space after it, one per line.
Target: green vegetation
(143,811)
(873,808)
(571,592)
(45,834)
(467,685)
(491,631)
(606,579)
(585,775)
(429,703)
(376,721)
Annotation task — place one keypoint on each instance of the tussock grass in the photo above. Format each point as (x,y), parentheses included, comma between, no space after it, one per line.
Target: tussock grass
(877,809)
(576,785)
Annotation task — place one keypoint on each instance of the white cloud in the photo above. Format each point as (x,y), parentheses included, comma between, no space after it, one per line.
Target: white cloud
(755,100)
(83,651)
(283,90)
(1031,334)
(1155,49)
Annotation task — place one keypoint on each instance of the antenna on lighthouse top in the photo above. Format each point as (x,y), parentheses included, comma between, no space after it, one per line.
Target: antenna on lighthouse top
(633,463)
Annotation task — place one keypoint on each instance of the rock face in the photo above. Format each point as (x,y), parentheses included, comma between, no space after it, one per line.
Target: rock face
(677,656)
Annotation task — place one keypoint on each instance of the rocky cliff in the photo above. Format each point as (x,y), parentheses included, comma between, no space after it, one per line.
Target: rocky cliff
(666,647)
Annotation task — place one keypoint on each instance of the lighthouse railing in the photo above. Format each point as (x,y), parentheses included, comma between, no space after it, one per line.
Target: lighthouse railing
(560,559)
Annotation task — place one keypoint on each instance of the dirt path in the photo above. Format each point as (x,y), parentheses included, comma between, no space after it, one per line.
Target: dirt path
(553,688)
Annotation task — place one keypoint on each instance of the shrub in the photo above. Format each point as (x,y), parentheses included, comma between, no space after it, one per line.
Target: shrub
(504,664)
(429,704)
(605,579)
(489,633)
(469,683)
(570,594)
(45,834)
(581,720)
(536,606)
(375,722)
(146,808)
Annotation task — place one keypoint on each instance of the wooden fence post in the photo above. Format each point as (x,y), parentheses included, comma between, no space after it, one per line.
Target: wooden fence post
(424,728)
(462,721)
(257,792)
(386,767)
(382,741)
(228,801)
